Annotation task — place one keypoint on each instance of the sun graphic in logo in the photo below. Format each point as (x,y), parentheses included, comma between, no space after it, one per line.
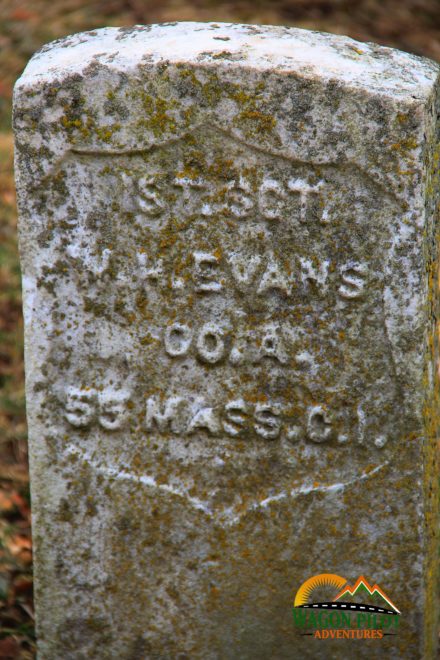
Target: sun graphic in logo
(328,582)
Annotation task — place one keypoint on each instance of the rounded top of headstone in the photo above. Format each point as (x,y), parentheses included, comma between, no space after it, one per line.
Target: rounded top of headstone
(280,49)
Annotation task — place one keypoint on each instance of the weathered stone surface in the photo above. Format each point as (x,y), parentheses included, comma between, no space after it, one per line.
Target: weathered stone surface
(230,276)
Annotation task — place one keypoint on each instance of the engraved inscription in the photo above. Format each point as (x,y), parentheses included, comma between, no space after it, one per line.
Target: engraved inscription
(237,322)
(239,199)
(210,273)
(237,418)
(108,408)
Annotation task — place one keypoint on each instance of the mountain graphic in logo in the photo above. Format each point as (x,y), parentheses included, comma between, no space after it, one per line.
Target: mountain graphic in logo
(362,592)
(328,591)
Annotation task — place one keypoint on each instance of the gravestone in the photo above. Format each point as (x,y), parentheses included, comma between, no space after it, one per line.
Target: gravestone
(231,284)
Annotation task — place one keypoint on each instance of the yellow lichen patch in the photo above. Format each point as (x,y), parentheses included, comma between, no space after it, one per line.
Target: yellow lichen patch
(158,118)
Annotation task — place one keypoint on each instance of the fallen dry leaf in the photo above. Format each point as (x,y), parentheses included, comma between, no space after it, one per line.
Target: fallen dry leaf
(9,649)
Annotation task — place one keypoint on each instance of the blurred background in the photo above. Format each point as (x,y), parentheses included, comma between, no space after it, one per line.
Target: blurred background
(411,25)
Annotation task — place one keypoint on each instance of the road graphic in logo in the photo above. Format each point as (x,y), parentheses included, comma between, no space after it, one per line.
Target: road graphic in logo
(326,606)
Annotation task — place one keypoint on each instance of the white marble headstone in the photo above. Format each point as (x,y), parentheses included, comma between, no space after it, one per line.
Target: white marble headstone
(230,277)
